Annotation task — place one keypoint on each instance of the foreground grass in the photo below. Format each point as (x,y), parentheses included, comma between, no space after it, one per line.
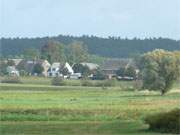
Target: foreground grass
(43,109)
(32,80)
(75,128)
(37,103)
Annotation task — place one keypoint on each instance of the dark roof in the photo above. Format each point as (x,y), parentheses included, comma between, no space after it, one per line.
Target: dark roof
(28,65)
(115,64)
(91,66)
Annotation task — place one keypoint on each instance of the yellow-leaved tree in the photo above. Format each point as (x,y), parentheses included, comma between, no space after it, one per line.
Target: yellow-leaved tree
(160,69)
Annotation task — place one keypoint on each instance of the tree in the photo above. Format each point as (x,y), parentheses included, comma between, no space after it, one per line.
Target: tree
(38,69)
(121,71)
(96,59)
(53,52)
(130,71)
(126,71)
(84,70)
(77,52)
(3,67)
(99,75)
(116,47)
(10,63)
(64,71)
(31,54)
(159,70)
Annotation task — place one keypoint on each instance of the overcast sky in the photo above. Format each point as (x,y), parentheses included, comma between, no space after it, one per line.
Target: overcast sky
(125,18)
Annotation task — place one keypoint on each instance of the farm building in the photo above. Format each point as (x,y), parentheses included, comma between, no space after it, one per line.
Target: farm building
(111,66)
(56,69)
(12,71)
(91,66)
(28,66)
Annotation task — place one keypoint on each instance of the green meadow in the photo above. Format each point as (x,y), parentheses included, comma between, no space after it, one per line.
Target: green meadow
(36,107)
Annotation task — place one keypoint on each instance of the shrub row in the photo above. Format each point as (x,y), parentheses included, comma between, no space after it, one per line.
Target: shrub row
(11,79)
(168,122)
(105,83)
(58,81)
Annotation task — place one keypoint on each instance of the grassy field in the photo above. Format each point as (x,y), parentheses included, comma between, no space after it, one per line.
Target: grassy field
(47,81)
(36,107)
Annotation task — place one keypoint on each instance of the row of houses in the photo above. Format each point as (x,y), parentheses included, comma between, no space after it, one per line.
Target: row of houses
(49,70)
(109,67)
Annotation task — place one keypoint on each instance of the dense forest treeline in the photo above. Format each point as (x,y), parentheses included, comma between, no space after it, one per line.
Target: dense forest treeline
(107,47)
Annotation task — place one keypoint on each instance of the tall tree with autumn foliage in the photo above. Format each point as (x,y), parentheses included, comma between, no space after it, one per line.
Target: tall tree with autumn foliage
(160,69)
(77,52)
(53,52)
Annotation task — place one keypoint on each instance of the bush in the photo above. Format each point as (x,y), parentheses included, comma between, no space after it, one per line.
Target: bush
(38,69)
(84,70)
(23,73)
(101,84)
(138,84)
(110,83)
(99,75)
(165,122)
(58,81)
(87,83)
(11,79)
(106,83)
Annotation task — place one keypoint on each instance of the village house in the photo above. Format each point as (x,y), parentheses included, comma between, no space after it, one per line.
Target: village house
(69,68)
(57,68)
(111,66)
(45,64)
(91,66)
(54,70)
(12,71)
(16,61)
(28,66)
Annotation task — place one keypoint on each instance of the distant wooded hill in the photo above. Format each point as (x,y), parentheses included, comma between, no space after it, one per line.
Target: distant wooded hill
(106,47)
